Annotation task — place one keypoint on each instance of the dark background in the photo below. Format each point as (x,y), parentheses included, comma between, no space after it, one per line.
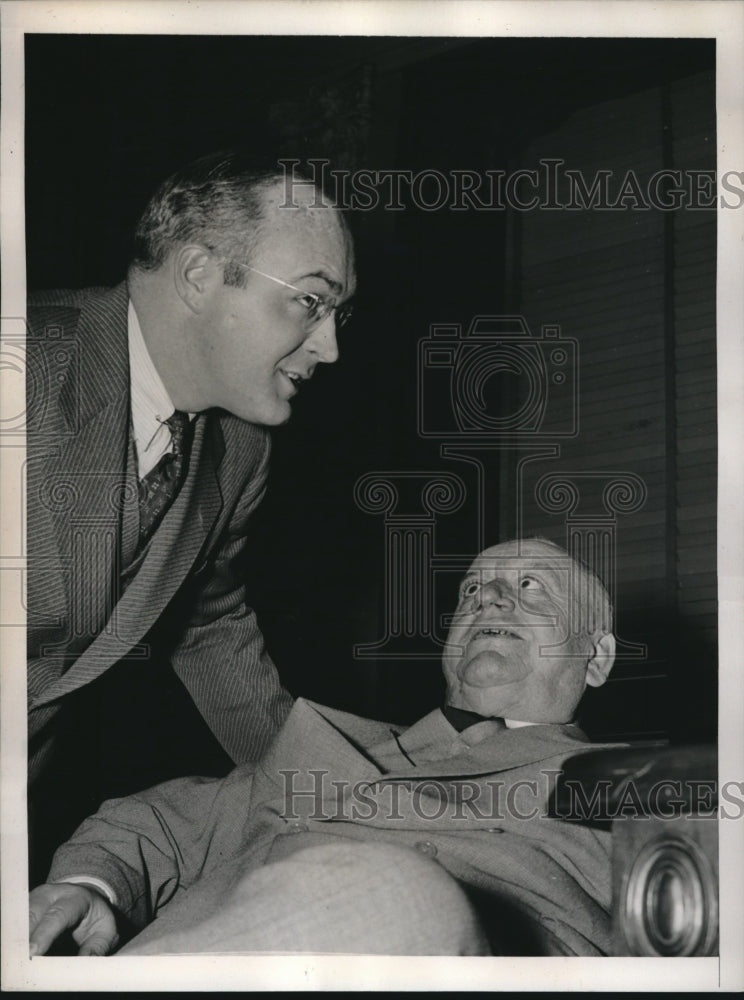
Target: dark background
(108,117)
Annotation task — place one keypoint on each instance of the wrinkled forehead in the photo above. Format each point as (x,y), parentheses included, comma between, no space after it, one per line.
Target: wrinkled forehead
(521,556)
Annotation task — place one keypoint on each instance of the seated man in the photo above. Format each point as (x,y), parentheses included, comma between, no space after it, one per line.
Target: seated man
(355,836)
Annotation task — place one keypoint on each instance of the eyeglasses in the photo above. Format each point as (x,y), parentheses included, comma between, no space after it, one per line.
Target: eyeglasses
(318,307)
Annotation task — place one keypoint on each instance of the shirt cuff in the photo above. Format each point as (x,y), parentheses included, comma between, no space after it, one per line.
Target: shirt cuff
(96,883)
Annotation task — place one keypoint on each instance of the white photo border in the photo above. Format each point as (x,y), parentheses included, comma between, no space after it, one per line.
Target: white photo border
(717,19)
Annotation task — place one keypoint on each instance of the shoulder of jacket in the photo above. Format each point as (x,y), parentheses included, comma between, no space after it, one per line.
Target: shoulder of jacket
(73,298)
(60,307)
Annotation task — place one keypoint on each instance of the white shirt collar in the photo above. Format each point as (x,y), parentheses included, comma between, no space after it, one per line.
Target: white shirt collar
(151,404)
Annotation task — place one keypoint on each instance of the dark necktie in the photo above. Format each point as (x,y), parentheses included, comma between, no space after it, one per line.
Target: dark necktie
(159,487)
(460,719)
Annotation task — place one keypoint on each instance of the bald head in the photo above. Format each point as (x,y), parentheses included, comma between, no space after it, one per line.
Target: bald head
(531,631)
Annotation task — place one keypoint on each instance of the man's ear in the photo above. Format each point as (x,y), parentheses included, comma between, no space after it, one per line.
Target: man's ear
(194,273)
(599,666)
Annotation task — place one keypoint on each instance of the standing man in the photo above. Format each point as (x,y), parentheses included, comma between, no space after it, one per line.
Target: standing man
(147,453)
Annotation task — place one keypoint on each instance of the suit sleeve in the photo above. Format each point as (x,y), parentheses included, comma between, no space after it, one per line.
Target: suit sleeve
(221,657)
(150,846)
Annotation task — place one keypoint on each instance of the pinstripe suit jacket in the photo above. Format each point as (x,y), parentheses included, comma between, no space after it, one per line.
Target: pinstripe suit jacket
(82,522)
(477,806)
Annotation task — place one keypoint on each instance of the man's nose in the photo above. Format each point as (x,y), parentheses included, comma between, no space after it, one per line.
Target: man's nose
(322,341)
(498,594)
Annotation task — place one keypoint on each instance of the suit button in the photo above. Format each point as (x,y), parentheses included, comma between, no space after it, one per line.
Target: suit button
(426,847)
(297,828)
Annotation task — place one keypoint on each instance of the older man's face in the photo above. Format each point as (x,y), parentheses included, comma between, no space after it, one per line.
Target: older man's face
(257,350)
(510,651)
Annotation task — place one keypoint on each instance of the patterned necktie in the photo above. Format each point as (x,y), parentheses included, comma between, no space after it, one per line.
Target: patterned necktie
(159,487)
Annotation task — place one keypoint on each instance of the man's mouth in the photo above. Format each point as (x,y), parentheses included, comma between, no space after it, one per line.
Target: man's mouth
(493,631)
(294,378)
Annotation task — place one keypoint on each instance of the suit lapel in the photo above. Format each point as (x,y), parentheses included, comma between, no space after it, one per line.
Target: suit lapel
(168,559)
(431,748)
(503,751)
(319,740)
(100,367)
(324,764)
(84,486)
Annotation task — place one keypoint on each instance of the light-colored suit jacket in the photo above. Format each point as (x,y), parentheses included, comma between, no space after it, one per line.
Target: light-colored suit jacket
(476,802)
(82,526)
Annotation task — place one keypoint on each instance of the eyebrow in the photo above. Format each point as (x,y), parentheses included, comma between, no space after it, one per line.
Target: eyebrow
(334,285)
(555,572)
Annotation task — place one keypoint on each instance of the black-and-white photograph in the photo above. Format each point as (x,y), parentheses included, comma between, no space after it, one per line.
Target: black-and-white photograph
(365,468)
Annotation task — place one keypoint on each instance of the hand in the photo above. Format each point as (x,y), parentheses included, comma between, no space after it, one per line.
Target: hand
(79,908)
